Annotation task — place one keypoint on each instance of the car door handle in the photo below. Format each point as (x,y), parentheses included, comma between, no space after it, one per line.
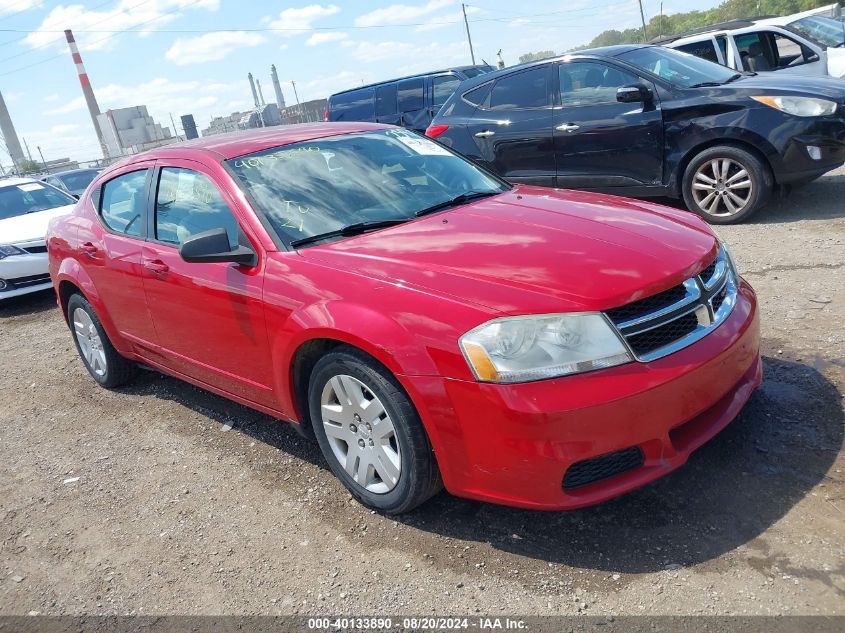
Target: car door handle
(568,127)
(157,267)
(89,250)
(484,134)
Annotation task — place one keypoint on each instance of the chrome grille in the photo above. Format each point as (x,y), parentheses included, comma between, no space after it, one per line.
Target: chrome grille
(675,318)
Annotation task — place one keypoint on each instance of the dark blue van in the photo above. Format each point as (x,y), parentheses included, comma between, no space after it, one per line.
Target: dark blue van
(411,101)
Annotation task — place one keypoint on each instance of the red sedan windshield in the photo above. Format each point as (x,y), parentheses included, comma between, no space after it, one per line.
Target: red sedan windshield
(315,187)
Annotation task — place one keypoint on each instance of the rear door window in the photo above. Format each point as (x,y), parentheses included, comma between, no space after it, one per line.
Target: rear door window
(411,95)
(386,100)
(123,202)
(356,105)
(521,91)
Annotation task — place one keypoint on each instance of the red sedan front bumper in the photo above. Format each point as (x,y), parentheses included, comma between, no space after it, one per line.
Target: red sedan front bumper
(513,444)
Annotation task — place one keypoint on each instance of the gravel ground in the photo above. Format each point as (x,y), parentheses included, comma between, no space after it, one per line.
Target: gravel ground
(160,498)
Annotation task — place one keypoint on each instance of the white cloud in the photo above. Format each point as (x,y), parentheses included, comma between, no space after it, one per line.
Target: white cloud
(369,52)
(210,47)
(51,97)
(445,19)
(77,103)
(64,128)
(73,134)
(398,13)
(419,58)
(15,6)
(126,14)
(325,36)
(322,86)
(296,21)
(162,96)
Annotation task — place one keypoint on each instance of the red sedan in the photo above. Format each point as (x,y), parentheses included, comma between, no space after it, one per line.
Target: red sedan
(430,324)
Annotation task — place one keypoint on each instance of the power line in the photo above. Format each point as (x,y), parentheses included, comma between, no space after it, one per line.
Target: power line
(18,12)
(346,27)
(158,17)
(55,41)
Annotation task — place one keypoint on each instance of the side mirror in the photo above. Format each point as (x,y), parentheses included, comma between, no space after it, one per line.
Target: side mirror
(213,246)
(634,93)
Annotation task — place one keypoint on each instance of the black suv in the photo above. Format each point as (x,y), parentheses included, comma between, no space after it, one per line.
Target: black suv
(647,121)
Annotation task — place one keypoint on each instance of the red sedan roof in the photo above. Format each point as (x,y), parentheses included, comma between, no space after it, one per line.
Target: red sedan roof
(235,144)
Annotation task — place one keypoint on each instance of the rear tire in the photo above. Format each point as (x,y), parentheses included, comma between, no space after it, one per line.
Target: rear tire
(370,433)
(726,184)
(95,349)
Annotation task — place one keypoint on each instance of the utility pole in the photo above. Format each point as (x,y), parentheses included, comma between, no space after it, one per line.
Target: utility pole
(43,162)
(28,153)
(469,37)
(661,20)
(642,16)
(175,129)
(296,95)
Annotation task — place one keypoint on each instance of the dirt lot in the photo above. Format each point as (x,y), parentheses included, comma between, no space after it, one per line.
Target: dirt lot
(186,503)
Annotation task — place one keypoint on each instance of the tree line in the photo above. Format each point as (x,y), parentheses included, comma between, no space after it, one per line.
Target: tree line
(682,22)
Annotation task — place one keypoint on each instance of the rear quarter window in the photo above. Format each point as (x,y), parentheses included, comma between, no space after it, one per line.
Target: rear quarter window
(478,96)
(704,49)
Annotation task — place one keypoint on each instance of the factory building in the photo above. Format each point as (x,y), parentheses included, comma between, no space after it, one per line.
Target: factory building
(221,124)
(306,112)
(189,126)
(130,130)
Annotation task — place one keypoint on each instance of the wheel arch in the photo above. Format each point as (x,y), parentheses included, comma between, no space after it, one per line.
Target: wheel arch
(743,144)
(301,367)
(71,278)
(317,329)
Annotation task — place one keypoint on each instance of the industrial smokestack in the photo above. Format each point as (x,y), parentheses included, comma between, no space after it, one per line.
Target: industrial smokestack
(87,91)
(7,130)
(280,98)
(252,85)
(260,94)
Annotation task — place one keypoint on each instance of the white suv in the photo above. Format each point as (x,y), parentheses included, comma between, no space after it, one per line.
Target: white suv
(797,44)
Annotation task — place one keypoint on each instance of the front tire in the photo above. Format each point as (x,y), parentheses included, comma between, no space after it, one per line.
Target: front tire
(95,349)
(726,184)
(370,433)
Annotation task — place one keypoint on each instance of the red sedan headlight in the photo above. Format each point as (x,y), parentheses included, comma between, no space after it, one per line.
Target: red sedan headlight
(519,349)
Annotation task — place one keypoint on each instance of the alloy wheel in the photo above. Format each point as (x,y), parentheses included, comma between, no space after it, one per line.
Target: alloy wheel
(722,187)
(90,343)
(361,434)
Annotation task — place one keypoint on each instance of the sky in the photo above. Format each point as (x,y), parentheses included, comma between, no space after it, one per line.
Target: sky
(192,56)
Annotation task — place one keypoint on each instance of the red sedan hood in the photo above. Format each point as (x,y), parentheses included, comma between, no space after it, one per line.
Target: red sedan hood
(535,250)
